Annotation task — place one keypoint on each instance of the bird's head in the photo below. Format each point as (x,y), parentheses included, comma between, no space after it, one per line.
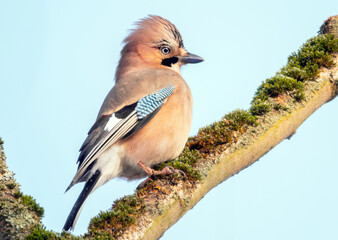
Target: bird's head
(155,42)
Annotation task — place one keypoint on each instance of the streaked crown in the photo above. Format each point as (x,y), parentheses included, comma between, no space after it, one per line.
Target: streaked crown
(155,30)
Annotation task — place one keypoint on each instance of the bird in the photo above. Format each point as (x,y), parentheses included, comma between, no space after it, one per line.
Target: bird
(145,118)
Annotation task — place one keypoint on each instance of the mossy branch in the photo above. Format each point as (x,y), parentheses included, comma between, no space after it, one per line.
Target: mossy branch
(18,212)
(281,104)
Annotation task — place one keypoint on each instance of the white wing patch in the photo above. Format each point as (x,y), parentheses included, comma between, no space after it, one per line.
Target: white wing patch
(111,123)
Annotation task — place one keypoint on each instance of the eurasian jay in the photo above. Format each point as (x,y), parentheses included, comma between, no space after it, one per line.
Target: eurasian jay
(145,118)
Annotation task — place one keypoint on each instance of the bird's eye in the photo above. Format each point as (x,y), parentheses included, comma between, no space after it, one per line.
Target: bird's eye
(165,50)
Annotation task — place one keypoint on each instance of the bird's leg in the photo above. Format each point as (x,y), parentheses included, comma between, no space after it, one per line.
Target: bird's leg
(165,171)
(151,172)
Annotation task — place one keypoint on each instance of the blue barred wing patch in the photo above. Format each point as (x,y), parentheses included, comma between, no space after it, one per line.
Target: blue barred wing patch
(150,103)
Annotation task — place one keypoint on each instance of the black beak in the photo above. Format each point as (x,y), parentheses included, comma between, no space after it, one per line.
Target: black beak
(191,58)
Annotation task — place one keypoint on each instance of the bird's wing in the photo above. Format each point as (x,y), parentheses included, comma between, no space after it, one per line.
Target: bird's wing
(119,125)
(134,86)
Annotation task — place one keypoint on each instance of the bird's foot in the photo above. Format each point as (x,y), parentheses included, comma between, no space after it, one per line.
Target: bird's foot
(168,170)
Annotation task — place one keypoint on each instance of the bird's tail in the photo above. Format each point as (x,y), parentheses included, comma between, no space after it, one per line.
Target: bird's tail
(89,187)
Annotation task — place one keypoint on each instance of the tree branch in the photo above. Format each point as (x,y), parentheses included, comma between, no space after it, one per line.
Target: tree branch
(18,212)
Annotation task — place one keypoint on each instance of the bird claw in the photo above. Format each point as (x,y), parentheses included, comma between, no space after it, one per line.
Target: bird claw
(168,170)
(174,171)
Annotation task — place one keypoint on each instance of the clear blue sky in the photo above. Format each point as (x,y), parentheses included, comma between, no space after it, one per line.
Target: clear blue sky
(57,63)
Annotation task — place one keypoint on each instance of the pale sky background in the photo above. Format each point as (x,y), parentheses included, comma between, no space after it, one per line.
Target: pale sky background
(57,63)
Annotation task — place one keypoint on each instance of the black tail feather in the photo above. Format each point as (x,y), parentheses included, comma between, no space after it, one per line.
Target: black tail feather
(74,213)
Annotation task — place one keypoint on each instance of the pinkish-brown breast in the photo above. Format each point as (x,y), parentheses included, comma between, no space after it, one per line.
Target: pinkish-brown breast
(164,137)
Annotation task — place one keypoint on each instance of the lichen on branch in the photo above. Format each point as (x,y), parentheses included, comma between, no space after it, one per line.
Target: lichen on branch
(18,212)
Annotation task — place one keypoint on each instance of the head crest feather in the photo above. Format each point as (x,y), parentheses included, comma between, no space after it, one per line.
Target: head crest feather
(152,29)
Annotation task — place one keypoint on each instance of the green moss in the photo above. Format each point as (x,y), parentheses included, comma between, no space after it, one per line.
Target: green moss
(101,236)
(278,106)
(123,213)
(39,232)
(67,235)
(18,194)
(239,118)
(299,96)
(30,202)
(222,132)
(11,185)
(279,84)
(302,66)
(294,72)
(315,53)
(185,162)
(259,107)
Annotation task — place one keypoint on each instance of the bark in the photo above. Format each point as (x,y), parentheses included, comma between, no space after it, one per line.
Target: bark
(16,216)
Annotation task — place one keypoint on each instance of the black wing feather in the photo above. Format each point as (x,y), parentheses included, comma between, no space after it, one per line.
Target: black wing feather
(88,188)
(96,132)
(94,136)
(141,123)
